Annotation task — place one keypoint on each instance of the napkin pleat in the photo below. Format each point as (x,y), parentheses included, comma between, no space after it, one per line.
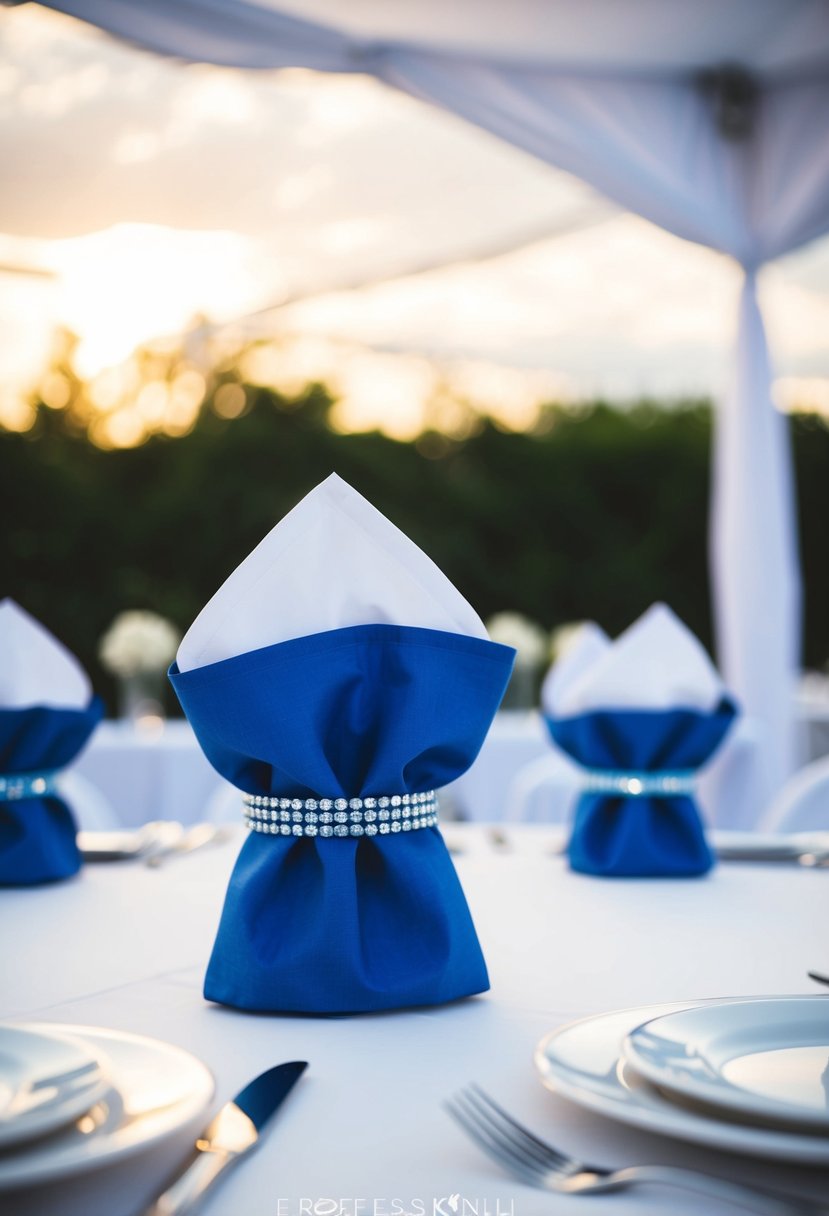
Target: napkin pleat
(345,925)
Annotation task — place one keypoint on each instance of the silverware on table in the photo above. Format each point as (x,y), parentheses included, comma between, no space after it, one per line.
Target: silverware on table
(233,1132)
(796,850)
(130,844)
(817,861)
(788,850)
(816,975)
(499,840)
(538,1164)
(193,838)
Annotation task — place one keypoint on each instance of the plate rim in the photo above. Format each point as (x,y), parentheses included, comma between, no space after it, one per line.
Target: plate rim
(740,1100)
(685,1125)
(47,1170)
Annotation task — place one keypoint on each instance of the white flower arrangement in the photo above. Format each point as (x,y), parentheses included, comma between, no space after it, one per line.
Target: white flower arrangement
(524,635)
(138,643)
(564,637)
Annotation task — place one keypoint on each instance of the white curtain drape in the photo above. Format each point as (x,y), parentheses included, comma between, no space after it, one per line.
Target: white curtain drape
(654,147)
(649,140)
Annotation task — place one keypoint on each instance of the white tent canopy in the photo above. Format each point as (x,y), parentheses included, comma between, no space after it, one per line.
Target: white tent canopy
(710,119)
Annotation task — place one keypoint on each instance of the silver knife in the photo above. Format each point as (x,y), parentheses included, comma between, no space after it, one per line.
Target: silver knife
(234,1131)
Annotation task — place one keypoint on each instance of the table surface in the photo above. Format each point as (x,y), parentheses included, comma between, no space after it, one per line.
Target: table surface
(125,946)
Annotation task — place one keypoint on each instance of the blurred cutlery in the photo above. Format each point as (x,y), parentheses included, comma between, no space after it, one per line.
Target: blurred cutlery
(129,844)
(790,851)
(233,1132)
(194,838)
(810,849)
(499,841)
(821,979)
(815,861)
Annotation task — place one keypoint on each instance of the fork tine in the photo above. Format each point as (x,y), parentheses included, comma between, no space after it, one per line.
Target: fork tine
(499,1136)
(489,1146)
(551,1156)
(503,1131)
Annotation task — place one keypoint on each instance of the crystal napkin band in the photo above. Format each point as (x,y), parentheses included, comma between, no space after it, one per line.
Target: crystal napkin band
(638,785)
(341,816)
(14,787)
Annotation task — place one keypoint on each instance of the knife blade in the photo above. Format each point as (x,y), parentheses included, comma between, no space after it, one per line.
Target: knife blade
(233,1132)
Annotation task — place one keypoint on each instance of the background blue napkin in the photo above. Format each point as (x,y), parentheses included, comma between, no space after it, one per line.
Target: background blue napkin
(642,836)
(37,835)
(334,925)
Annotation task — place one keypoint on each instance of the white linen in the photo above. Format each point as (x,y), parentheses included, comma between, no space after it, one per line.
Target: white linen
(35,668)
(657,663)
(753,551)
(366,1121)
(333,561)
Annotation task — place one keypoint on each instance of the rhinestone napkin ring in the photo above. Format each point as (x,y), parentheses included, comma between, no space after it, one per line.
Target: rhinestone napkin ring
(635,785)
(378,816)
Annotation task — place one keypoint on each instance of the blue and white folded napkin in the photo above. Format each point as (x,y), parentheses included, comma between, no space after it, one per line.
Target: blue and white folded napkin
(47,713)
(338,679)
(641,715)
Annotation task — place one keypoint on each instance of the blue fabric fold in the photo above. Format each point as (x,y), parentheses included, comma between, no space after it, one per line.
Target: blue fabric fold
(642,836)
(314,925)
(37,835)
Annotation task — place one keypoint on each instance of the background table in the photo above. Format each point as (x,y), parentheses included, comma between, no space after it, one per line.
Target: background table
(126,946)
(158,772)
(161,773)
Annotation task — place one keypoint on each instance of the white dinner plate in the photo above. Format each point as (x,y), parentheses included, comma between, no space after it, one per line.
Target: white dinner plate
(155,1090)
(46,1081)
(767,1060)
(582,1062)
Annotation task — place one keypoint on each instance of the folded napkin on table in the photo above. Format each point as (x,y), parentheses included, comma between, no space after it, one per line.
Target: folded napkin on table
(641,715)
(47,713)
(337,677)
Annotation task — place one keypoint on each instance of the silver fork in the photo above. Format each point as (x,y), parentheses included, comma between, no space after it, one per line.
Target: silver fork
(538,1164)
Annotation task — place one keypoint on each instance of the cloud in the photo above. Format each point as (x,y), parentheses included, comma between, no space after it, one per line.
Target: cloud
(158,190)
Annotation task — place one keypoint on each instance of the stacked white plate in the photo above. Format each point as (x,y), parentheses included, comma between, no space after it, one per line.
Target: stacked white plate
(73,1098)
(748,1075)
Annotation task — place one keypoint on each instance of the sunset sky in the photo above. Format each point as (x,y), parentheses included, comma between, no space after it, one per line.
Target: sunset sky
(150,192)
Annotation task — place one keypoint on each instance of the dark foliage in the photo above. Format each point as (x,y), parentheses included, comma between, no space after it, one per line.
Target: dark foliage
(595,514)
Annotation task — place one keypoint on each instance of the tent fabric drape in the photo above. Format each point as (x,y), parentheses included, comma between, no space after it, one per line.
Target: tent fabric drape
(595,36)
(653,146)
(644,132)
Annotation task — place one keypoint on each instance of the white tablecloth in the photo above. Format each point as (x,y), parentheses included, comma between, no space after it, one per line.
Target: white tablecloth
(148,774)
(125,946)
